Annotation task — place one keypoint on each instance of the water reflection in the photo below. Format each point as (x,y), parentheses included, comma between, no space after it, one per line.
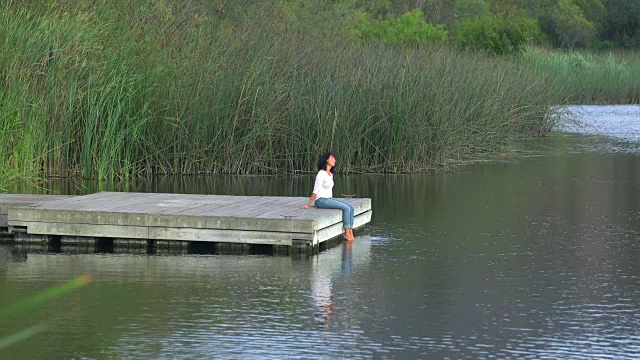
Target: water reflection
(332,267)
(347,258)
(321,293)
(204,299)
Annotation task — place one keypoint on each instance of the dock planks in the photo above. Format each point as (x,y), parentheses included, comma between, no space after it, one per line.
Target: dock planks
(182,217)
(16,200)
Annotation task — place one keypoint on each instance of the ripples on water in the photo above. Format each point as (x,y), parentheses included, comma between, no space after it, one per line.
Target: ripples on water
(532,259)
(617,128)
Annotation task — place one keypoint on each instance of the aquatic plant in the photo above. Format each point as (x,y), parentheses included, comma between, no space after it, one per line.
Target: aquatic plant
(588,77)
(176,88)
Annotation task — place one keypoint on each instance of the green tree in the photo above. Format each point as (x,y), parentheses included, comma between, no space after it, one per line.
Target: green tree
(438,11)
(497,34)
(622,22)
(571,25)
(504,7)
(470,9)
(593,10)
(377,8)
(410,28)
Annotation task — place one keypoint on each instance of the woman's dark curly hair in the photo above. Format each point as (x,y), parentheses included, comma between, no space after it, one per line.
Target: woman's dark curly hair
(322,163)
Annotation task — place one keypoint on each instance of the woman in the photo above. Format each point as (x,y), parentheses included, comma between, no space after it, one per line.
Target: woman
(322,194)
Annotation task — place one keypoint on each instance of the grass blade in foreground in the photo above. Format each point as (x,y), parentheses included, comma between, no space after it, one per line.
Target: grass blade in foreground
(21,335)
(51,293)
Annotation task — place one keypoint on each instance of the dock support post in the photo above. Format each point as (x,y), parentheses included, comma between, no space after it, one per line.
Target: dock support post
(151,247)
(55,244)
(104,245)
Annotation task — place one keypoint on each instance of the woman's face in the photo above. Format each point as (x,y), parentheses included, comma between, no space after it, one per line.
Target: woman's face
(331,161)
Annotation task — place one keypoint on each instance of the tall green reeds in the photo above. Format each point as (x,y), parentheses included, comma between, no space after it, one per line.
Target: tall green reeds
(128,88)
(588,77)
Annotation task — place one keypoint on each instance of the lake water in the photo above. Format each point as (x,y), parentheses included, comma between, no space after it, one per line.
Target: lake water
(536,257)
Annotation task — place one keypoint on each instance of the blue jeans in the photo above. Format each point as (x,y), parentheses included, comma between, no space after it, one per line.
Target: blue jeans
(348,212)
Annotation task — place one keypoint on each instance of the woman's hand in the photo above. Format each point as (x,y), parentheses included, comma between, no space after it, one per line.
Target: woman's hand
(311,200)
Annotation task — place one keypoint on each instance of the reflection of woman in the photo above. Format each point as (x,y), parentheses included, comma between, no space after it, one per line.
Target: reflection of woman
(347,258)
(323,194)
(324,277)
(321,293)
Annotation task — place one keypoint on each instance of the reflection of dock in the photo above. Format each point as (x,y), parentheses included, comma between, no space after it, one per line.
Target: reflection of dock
(24,261)
(149,219)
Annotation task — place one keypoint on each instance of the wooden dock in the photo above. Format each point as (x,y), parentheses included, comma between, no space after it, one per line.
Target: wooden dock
(17,200)
(261,220)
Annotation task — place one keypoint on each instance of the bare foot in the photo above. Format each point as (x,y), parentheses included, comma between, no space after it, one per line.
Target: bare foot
(348,234)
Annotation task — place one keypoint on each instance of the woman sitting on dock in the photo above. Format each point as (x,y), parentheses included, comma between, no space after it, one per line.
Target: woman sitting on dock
(322,194)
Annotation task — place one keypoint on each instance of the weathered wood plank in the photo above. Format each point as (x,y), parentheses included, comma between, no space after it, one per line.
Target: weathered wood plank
(249,209)
(215,209)
(221,209)
(16,200)
(205,207)
(75,202)
(285,206)
(78,217)
(88,230)
(230,236)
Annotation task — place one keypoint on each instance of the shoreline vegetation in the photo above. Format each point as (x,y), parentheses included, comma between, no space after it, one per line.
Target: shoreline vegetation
(135,88)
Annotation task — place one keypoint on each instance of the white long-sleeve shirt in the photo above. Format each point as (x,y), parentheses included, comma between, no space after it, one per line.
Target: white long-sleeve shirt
(323,185)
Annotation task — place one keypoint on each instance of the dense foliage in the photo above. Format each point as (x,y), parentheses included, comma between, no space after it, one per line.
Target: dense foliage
(564,23)
(410,28)
(499,35)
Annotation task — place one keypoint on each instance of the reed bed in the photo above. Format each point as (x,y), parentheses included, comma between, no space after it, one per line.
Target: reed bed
(611,77)
(130,88)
